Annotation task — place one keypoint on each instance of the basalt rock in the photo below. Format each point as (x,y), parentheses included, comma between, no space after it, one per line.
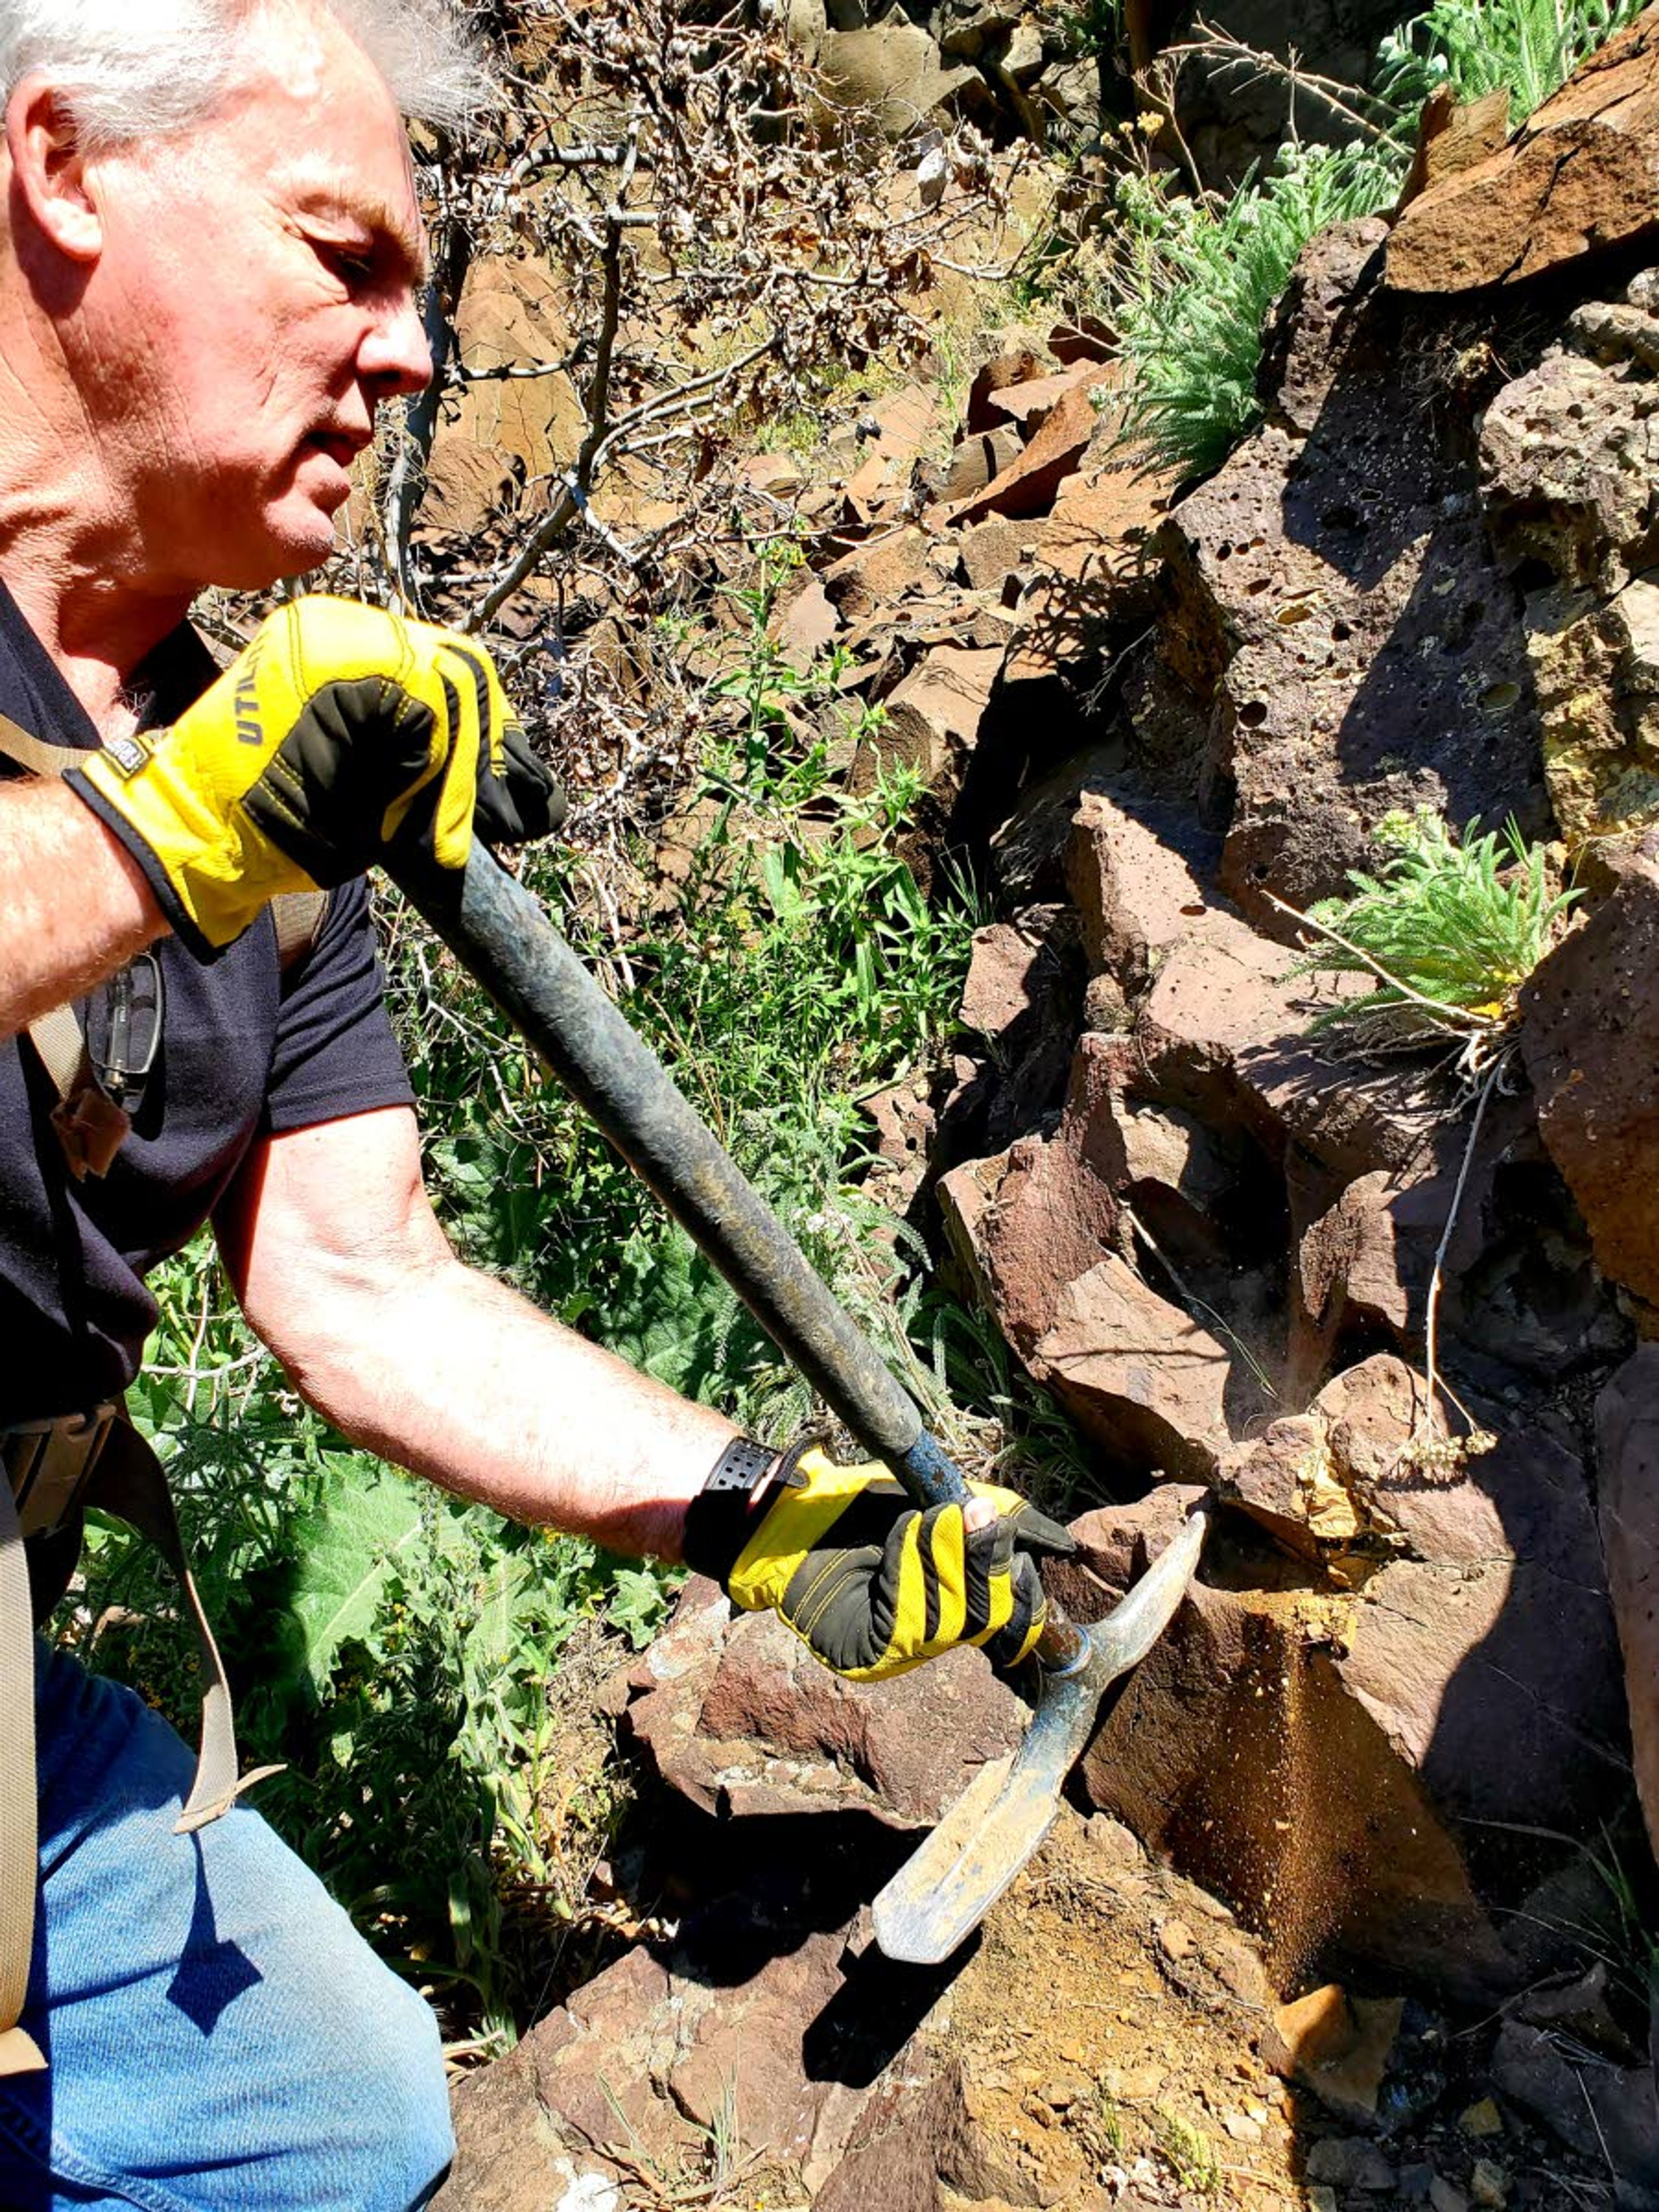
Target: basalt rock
(1589,1038)
(1627,1428)
(1570,456)
(739,1717)
(1337,626)
(1314,1756)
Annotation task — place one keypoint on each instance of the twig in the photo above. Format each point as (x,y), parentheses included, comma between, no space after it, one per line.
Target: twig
(1431,1337)
(1464,1017)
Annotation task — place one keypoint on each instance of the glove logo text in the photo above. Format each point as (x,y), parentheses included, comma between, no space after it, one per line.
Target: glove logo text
(250,730)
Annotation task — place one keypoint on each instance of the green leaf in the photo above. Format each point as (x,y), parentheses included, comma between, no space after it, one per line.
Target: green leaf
(343,1556)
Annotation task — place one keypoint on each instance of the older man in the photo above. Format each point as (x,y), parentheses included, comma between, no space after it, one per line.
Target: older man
(209,248)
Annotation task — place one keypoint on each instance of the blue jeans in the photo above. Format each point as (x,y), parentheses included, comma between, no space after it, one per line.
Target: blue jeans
(220,2037)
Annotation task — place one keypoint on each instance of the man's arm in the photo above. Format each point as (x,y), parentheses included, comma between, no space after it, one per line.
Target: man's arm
(342,1270)
(74,904)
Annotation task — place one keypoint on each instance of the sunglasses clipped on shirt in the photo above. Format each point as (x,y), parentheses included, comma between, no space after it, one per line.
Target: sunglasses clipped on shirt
(123,1029)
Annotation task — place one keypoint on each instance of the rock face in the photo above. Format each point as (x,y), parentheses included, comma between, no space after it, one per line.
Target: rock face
(1570,453)
(1338,627)
(1583,173)
(1627,1428)
(1592,1050)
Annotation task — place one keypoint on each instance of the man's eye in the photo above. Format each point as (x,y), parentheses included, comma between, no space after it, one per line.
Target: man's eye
(354,267)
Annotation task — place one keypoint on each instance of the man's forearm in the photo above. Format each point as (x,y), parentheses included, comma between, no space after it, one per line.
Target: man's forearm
(460,1379)
(75,905)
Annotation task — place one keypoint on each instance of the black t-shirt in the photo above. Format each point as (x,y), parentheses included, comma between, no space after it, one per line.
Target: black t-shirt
(245,1051)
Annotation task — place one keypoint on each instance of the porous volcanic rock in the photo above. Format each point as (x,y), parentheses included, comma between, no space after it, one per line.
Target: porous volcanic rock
(1581,175)
(1569,453)
(1627,1433)
(1590,1038)
(1338,627)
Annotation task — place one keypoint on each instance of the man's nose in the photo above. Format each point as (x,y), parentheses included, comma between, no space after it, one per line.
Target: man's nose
(395,358)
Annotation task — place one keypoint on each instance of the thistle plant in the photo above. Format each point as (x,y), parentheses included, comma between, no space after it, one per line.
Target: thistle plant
(1449,931)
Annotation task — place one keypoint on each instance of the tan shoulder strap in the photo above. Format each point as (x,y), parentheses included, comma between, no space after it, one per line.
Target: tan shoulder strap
(19,1855)
(299,919)
(89,1128)
(102,1461)
(35,754)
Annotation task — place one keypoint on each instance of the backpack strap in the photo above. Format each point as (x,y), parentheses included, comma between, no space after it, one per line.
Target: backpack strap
(53,1468)
(19,1814)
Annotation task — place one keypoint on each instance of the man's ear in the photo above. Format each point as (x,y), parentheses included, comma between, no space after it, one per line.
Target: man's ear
(50,170)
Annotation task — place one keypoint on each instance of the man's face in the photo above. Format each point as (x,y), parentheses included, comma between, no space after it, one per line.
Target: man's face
(253,303)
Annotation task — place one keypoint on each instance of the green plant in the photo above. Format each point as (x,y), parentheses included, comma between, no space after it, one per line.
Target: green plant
(1093,29)
(1448,929)
(1196,279)
(1187,2151)
(1476,46)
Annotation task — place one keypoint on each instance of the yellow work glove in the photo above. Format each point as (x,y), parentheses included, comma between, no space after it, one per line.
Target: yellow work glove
(340,734)
(871,1584)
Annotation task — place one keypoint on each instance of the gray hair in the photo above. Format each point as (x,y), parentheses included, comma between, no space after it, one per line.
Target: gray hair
(129,71)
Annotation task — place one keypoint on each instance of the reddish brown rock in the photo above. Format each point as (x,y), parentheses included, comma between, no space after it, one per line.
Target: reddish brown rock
(1590,1038)
(1138,1373)
(500,432)
(977,460)
(1133,878)
(739,1718)
(1029,1225)
(872,576)
(1581,175)
(1016,362)
(1627,1436)
(1030,484)
(933,717)
(997,551)
(645,2057)
(1021,995)
(1235,1749)
(1451,138)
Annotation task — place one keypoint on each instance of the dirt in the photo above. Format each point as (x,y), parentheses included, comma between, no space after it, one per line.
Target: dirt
(1106,2028)
(1109,2030)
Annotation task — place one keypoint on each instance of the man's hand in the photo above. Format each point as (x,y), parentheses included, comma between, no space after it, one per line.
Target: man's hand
(342,733)
(871,1584)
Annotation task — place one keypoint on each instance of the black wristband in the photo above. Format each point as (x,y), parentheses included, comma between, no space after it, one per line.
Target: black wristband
(721,1517)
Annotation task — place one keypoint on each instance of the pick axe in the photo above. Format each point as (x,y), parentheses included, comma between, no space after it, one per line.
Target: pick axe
(940,1894)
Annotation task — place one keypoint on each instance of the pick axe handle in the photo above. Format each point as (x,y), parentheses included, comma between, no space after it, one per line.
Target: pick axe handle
(500,933)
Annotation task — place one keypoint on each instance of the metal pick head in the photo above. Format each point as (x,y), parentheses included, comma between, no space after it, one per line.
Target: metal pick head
(949,1883)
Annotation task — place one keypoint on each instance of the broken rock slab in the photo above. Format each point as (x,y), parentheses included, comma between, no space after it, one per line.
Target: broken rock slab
(1337,2046)
(1138,1374)
(1234,1751)
(1314,1755)
(1580,176)
(737,1715)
